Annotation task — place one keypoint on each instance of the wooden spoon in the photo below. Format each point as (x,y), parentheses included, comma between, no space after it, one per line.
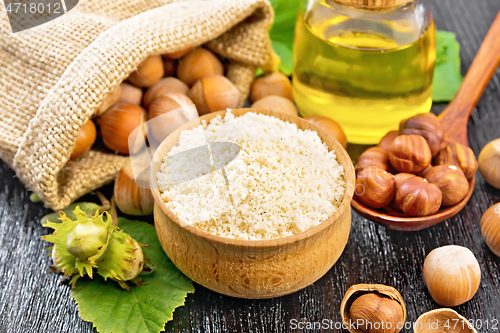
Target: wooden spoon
(454,120)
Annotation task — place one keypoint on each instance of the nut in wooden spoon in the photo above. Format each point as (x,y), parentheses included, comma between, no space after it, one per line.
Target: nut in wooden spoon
(454,123)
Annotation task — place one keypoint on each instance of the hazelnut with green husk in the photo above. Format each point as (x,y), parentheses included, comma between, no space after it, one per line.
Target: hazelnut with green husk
(89,245)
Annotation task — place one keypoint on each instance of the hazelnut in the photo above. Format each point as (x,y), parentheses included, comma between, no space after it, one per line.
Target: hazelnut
(163,87)
(129,197)
(275,83)
(373,157)
(375,187)
(426,125)
(166,104)
(490,228)
(85,139)
(373,308)
(415,196)
(276,103)
(328,125)
(451,181)
(130,94)
(401,177)
(386,141)
(118,124)
(423,172)
(148,72)
(112,97)
(489,163)
(459,155)
(214,93)
(410,153)
(197,64)
(452,275)
(177,54)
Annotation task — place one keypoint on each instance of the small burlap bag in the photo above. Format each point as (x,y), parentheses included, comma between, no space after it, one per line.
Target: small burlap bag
(53,77)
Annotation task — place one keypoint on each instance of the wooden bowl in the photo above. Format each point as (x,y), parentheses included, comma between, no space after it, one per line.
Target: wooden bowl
(254,268)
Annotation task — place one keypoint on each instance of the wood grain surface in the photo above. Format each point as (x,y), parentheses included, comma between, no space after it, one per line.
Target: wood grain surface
(32,300)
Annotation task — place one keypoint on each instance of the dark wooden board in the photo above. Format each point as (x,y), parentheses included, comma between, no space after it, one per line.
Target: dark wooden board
(32,300)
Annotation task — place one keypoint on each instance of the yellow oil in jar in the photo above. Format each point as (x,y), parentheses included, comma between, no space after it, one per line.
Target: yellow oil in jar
(367,81)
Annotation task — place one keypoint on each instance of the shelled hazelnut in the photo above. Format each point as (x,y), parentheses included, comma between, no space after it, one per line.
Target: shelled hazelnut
(375,187)
(451,181)
(410,153)
(415,196)
(373,157)
(426,125)
(459,155)
(386,141)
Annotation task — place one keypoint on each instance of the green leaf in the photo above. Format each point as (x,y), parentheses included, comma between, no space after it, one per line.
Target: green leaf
(282,31)
(447,76)
(88,207)
(144,309)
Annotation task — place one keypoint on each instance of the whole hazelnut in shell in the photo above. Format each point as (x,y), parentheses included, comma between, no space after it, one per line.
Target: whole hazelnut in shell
(426,125)
(451,181)
(386,141)
(490,228)
(373,308)
(163,87)
(197,64)
(174,110)
(130,94)
(214,93)
(459,155)
(489,163)
(452,275)
(276,103)
(330,126)
(275,83)
(410,153)
(375,187)
(415,196)
(148,72)
(119,123)
(84,140)
(374,157)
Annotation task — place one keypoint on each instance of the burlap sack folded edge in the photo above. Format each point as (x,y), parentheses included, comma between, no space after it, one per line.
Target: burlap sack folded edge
(41,161)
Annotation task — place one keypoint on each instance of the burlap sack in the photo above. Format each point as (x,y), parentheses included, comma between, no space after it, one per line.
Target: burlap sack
(53,77)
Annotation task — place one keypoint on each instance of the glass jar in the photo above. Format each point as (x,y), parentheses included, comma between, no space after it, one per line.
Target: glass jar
(367,64)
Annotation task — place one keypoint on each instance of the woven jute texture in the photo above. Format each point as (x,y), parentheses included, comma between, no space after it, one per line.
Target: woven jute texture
(53,77)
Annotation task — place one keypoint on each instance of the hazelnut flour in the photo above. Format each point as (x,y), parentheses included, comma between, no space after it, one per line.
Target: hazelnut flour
(284,180)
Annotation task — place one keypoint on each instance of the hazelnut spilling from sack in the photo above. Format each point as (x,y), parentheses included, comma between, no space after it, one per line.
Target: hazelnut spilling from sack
(54,77)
